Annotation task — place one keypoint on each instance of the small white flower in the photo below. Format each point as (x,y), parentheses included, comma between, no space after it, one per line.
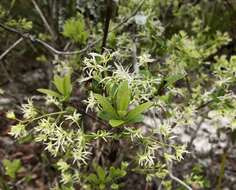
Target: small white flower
(52,100)
(145,58)
(74,118)
(29,110)
(66,177)
(62,165)
(91,102)
(18,130)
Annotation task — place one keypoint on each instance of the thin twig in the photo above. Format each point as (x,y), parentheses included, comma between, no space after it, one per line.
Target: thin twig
(45,44)
(160,186)
(43,19)
(11,47)
(169,167)
(196,132)
(135,62)
(179,181)
(5,71)
(139,6)
(222,170)
(204,105)
(188,85)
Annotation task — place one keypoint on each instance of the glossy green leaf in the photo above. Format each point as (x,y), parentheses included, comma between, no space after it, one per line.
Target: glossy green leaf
(67,87)
(59,83)
(101,173)
(49,92)
(92,178)
(105,115)
(114,186)
(116,123)
(138,110)
(123,98)
(106,105)
(137,119)
(12,167)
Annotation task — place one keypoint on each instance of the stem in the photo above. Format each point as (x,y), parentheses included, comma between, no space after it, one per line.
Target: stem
(46,115)
(3,184)
(222,170)
(45,22)
(179,181)
(11,47)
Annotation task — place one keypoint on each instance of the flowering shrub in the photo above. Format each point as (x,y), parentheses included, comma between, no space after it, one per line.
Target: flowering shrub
(111,114)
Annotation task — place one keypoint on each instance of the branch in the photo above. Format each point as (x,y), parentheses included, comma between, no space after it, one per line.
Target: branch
(5,71)
(11,47)
(45,44)
(58,52)
(109,10)
(204,105)
(76,102)
(43,19)
(135,62)
(196,133)
(179,181)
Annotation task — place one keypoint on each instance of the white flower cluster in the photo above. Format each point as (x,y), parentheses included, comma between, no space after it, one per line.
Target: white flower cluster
(29,110)
(59,140)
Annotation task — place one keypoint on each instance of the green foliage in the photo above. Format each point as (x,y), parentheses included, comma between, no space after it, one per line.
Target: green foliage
(103,179)
(74,28)
(197,179)
(12,167)
(21,24)
(119,114)
(2,12)
(63,86)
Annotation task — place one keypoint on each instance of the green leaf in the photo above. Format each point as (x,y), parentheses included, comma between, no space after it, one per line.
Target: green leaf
(75,29)
(173,78)
(123,98)
(114,186)
(13,2)
(59,83)
(12,167)
(101,174)
(111,90)
(137,119)
(116,123)
(49,92)
(92,178)
(67,87)
(106,105)
(124,165)
(105,115)
(138,110)
(114,172)
(102,186)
